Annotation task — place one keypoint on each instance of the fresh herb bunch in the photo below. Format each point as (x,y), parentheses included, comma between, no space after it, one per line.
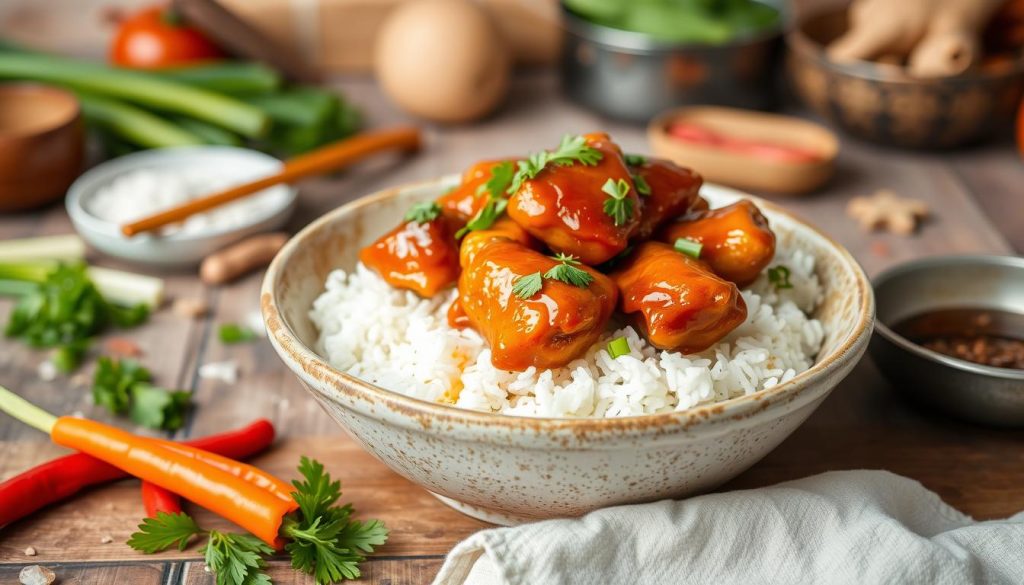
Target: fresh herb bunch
(423,212)
(123,386)
(618,206)
(231,333)
(322,537)
(779,276)
(64,309)
(567,270)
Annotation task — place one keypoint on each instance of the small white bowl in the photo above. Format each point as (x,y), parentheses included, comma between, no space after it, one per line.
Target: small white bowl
(180,248)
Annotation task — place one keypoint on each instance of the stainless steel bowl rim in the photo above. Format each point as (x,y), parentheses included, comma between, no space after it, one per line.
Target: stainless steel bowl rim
(883,329)
(642,44)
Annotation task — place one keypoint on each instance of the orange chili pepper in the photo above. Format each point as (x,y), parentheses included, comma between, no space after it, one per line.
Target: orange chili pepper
(249,473)
(250,506)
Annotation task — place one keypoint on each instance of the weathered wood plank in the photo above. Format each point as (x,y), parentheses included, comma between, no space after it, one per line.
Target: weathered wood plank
(97,574)
(415,571)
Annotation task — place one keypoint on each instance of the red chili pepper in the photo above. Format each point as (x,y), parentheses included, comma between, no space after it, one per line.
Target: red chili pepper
(156,499)
(65,476)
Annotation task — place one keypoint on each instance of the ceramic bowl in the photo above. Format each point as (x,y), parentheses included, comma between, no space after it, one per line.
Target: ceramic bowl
(975,392)
(42,144)
(177,249)
(508,469)
(871,102)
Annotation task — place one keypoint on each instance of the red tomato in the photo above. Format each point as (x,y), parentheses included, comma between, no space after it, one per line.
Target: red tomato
(156,37)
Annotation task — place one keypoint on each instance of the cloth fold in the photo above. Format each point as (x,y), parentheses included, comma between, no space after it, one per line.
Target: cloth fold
(840,527)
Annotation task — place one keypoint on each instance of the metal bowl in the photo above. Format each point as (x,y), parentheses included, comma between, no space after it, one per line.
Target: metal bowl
(960,388)
(630,76)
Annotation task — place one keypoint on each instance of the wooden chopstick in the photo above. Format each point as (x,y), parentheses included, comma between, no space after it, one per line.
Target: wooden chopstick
(322,160)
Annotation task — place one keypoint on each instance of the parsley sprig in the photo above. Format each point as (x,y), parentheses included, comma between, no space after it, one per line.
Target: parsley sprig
(423,212)
(571,150)
(635,160)
(123,387)
(323,539)
(567,270)
(496,188)
(618,205)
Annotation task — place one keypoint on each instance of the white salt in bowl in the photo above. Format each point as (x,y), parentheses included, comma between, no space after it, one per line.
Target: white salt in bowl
(179,245)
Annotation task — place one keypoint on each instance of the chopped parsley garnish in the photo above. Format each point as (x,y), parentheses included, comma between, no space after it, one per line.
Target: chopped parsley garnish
(618,347)
(635,160)
(230,333)
(618,206)
(689,247)
(497,187)
(423,212)
(568,271)
(572,150)
(123,387)
(779,276)
(527,285)
(641,184)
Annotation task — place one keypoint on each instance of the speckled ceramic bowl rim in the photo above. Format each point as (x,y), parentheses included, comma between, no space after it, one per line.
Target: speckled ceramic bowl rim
(799,42)
(939,263)
(291,349)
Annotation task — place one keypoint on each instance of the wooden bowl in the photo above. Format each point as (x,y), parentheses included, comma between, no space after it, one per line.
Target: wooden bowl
(743,170)
(42,144)
(883,104)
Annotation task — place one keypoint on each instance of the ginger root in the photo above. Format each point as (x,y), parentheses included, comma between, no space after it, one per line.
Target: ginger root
(936,38)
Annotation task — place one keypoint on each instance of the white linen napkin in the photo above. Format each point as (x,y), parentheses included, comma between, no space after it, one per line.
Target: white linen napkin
(860,527)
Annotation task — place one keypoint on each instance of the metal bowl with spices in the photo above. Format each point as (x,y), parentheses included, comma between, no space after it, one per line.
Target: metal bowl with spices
(632,76)
(988,289)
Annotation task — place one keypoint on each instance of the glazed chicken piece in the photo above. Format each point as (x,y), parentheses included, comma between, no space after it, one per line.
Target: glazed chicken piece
(736,240)
(676,300)
(420,256)
(671,191)
(546,329)
(503,228)
(464,201)
(564,206)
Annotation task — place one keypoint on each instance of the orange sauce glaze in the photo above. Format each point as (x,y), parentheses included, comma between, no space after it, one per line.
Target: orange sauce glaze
(737,241)
(563,206)
(421,257)
(678,302)
(673,193)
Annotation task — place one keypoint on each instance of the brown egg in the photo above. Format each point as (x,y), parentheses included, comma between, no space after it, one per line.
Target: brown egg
(444,60)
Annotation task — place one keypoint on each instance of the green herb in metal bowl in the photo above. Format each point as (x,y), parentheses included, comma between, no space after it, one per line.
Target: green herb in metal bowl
(681,21)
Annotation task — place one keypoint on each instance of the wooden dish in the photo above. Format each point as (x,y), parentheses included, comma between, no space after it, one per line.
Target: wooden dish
(42,144)
(743,170)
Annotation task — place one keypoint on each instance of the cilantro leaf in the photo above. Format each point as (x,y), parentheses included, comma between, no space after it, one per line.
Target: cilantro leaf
(69,356)
(779,276)
(164,531)
(572,150)
(501,177)
(423,212)
(484,218)
(527,285)
(635,160)
(568,271)
(157,408)
(618,206)
(113,380)
(230,333)
(641,184)
(236,559)
(316,493)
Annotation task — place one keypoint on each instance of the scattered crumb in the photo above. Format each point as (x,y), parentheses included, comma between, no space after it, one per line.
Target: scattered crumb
(36,575)
(880,249)
(123,346)
(107,539)
(80,379)
(78,414)
(887,211)
(283,404)
(46,371)
(191,307)
(226,372)
(30,552)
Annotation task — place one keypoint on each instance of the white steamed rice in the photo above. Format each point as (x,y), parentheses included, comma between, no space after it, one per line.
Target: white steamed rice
(402,342)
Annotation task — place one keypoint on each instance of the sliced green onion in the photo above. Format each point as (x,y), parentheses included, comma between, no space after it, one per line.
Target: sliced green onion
(689,247)
(618,347)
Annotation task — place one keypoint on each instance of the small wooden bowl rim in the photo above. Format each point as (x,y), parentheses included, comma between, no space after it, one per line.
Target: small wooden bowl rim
(28,90)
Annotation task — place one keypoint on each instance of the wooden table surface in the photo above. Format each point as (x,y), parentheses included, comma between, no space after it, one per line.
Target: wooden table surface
(864,424)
